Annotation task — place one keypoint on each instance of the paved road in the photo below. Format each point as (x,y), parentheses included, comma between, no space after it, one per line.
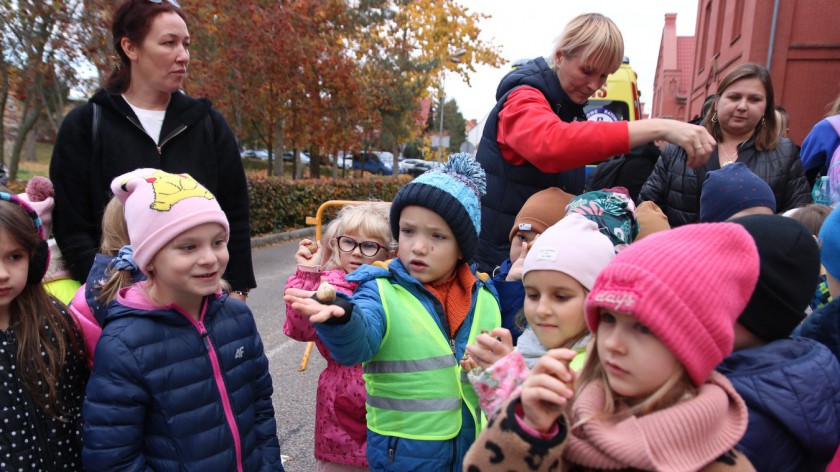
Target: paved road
(294,391)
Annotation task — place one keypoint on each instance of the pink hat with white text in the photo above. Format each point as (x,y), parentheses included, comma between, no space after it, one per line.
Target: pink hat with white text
(159,206)
(687,285)
(574,246)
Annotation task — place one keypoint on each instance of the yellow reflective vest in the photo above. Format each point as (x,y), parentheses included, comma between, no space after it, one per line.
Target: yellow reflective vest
(415,385)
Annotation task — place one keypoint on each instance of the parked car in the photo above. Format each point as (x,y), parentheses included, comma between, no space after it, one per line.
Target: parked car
(289,156)
(370,162)
(261,154)
(421,167)
(407,165)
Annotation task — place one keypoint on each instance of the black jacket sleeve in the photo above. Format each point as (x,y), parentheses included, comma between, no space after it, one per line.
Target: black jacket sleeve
(233,197)
(75,222)
(797,191)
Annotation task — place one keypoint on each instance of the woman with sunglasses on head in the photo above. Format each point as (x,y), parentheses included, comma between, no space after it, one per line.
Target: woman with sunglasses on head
(143,118)
(360,234)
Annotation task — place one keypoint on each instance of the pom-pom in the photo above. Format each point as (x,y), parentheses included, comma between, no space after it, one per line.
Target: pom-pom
(39,189)
(464,165)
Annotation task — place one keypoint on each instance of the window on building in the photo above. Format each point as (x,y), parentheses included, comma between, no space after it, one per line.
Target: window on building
(737,19)
(719,26)
(704,36)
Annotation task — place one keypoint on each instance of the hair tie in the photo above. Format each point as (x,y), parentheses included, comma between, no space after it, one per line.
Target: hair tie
(125,259)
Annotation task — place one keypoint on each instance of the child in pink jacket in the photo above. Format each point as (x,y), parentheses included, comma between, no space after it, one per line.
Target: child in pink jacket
(360,234)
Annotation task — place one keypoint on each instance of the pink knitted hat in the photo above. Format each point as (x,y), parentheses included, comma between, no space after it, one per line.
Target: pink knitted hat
(159,206)
(687,285)
(574,246)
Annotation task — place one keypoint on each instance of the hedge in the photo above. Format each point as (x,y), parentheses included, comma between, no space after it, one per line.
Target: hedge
(279,204)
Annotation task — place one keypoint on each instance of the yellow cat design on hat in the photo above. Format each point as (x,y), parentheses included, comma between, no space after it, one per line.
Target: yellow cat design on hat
(172,188)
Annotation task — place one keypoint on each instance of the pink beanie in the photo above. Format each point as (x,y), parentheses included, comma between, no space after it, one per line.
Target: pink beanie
(573,246)
(687,285)
(39,195)
(159,206)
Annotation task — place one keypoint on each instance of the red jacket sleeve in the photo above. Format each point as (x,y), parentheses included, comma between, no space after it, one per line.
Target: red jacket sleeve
(529,131)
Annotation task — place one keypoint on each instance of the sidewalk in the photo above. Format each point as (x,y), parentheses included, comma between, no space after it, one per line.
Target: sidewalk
(275,238)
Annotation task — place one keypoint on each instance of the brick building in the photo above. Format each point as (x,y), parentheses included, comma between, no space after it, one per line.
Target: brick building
(799,41)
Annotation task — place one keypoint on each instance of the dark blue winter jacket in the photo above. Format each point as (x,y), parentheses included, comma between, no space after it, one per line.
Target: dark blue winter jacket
(511,298)
(168,393)
(824,326)
(792,390)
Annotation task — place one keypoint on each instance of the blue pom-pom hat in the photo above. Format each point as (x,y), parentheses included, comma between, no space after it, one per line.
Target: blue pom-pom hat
(454,192)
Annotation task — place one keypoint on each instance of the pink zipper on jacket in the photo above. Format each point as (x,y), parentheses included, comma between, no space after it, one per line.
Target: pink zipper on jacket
(220,382)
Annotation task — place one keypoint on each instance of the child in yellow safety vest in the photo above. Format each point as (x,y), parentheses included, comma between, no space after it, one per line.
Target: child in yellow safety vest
(409,322)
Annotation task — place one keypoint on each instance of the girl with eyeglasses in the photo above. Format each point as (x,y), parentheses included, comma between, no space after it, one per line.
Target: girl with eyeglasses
(142,118)
(360,234)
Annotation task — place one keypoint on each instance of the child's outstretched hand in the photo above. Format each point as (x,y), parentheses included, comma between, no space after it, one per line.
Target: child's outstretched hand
(490,347)
(304,304)
(308,253)
(548,389)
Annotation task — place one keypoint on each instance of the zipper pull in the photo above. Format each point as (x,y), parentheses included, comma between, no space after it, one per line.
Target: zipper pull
(452,344)
(206,340)
(160,151)
(391,452)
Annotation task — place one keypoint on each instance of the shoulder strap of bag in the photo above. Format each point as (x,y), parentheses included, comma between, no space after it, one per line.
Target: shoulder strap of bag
(97,118)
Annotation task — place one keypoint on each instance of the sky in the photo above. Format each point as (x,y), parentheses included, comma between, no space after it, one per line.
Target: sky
(529,28)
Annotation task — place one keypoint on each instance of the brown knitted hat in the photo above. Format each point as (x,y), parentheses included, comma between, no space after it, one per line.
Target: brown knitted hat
(650,219)
(542,210)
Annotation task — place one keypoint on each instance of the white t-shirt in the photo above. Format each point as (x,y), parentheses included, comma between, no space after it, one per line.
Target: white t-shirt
(152,120)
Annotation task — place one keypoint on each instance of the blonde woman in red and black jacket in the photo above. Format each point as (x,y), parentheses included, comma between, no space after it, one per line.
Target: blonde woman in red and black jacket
(146,121)
(537,135)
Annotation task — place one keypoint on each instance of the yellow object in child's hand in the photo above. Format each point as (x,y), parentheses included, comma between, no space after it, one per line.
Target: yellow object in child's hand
(325,292)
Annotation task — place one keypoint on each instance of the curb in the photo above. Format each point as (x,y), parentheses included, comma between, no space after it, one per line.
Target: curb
(275,238)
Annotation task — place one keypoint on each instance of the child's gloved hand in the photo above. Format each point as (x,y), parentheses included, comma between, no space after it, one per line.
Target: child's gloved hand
(490,347)
(308,253)
(548,389)
(317,312)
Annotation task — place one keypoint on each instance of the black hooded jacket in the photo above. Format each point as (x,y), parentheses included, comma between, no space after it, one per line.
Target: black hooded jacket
(194,139)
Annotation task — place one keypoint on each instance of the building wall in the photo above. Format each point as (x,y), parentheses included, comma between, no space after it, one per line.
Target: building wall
(672,79)
(805,60)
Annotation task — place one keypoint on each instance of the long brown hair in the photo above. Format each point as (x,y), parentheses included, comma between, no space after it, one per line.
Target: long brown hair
(765,134)
(33,316)
(133,20)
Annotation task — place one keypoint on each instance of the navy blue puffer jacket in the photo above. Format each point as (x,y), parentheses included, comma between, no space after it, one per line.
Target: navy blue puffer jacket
(168,393)
(792,390)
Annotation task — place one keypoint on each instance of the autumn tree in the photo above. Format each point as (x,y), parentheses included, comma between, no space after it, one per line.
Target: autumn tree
(413,40)
(40,46)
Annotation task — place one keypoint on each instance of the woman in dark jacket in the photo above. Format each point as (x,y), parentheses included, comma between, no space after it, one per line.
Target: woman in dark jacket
(537,135)
(743,121)
(145,120)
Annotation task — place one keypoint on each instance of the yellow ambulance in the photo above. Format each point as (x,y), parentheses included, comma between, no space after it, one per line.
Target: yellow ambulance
(617,99)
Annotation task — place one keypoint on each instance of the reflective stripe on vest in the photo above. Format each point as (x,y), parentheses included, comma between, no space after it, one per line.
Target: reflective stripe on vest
(415,385)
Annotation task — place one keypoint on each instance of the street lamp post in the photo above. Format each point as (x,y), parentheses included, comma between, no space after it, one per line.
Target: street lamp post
(454,58)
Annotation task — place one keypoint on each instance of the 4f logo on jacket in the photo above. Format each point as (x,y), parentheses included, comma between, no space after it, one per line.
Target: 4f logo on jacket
(239,352)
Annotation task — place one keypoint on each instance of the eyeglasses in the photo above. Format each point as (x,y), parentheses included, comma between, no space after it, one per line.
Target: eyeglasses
(367,248)
(172,2)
